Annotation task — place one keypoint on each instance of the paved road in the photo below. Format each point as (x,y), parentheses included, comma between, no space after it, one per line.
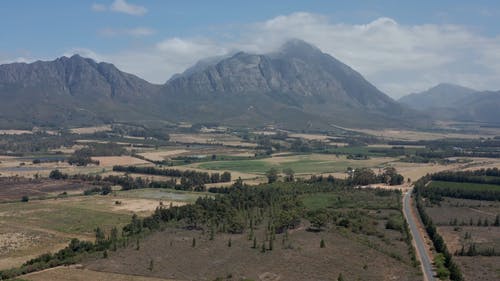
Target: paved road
(425,260)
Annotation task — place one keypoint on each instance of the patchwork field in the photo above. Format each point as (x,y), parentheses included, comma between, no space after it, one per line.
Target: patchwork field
(301,164)
(464,222)
(39,226)
(13,189)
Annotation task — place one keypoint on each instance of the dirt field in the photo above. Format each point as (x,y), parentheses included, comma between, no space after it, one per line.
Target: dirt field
(480,268)
(77,274)
(224,139)
(12,189)
(15,132)
(464,212)
(310,137)
(301,259)
(162,154)
(109,161)
(415,135)
(142,205)
(91,130)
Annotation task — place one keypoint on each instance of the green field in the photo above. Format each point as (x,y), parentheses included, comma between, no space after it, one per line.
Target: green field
(305,165)
(464,186)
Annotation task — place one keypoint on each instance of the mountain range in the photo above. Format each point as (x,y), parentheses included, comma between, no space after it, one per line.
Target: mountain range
(453,102)
(295,87)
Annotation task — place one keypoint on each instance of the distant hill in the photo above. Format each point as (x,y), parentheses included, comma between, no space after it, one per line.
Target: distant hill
(296,87)
(453,102)
(442,95)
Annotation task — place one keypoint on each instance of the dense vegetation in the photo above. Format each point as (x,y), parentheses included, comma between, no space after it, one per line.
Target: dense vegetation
(366,176)
(197,178)
(481,184)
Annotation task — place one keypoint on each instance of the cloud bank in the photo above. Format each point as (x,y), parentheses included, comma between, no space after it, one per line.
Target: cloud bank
(398,59)
(120,6)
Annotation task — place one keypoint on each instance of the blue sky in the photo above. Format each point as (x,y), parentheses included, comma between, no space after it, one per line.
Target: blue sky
(400,46)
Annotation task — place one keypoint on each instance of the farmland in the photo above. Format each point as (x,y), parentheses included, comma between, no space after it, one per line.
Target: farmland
(469,226)
(57,211)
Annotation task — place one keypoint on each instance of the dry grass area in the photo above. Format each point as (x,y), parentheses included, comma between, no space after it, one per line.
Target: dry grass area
(13,166)
(91,130)
(39,226)
(223,139)
(12,189)
(79,274)
(15,132)
(301,258)
(109,161)
(142,205)
(309,136)
(465,211)
(416,135)
(480,268)
(161,155)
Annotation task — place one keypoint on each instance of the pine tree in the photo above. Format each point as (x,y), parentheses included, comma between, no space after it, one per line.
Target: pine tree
(151,265)
(229,243)
(254,242)
(497,221)
(137,245)
(105,254)
(193,244)
(263,248)
(322,243)
(212,232)
(341,277)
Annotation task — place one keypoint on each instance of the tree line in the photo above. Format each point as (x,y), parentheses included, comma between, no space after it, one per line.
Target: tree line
(444,261)
(193,176)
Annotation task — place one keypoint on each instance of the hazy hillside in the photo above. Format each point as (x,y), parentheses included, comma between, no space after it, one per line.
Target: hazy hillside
(453,102)
(442,95)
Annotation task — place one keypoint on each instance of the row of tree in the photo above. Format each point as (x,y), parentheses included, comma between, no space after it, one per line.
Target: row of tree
(195,177)
(452,268)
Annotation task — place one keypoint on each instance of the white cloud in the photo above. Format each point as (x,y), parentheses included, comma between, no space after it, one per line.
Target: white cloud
(123,7)
(120,6)
(397,58)
(135,32)
(98,7)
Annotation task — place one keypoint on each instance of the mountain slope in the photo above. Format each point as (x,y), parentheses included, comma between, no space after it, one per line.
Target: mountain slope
(453,102)
(295,87)
(443,95)
(69,91)
(298,79)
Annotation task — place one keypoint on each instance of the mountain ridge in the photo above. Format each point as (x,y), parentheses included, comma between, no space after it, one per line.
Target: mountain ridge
(296,84)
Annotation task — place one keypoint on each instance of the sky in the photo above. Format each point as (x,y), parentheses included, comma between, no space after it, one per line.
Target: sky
(400,46)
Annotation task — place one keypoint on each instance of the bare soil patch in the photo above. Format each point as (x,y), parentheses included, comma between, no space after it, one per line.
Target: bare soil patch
(162,154)
(15,188)
(107,161)
(91,130)
(142,205)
